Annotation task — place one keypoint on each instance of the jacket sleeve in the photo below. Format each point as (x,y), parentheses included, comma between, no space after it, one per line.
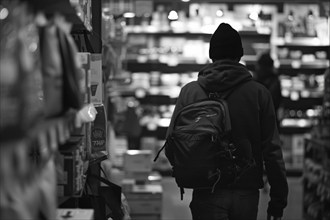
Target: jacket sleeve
(273,158)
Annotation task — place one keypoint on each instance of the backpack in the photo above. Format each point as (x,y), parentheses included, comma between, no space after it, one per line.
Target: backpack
(199,147)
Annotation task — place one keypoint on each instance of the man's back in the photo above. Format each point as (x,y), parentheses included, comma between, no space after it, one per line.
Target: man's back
(246,103)
(254,133)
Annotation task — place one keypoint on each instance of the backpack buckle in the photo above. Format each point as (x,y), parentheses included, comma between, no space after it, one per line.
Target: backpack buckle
(214,95)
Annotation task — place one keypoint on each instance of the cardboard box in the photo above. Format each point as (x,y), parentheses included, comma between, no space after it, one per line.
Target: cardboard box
(145,199)
(137,176)
(75,214)
(149,143)
(137,161)
(96,79)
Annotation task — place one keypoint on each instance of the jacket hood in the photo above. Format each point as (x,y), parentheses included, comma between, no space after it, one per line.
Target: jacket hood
(222,75)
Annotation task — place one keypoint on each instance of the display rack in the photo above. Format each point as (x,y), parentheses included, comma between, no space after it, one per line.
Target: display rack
(301,63)
(29,169)
(316,199)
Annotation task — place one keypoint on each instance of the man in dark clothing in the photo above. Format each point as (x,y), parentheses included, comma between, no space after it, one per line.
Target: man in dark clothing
(254,132)
(266,75)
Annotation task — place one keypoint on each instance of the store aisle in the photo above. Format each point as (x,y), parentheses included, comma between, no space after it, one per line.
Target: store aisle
(175,209)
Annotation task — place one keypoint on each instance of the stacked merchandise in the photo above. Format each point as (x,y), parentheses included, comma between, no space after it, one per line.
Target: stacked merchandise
(316,204)
(142,189)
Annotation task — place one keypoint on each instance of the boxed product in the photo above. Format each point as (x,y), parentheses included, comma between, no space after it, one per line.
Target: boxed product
(96,79)
(145,199)
(149,143)
(138,176)
(137,161)
(71,180)
(75,214)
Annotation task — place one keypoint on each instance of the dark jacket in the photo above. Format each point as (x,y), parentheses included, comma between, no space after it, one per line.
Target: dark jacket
(253,124)
(271,81)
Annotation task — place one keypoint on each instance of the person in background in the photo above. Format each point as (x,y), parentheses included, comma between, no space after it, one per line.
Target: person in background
(254,132)
(267,76)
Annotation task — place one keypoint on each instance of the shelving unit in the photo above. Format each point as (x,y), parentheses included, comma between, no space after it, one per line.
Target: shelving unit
(316,184)
(301,64)
(316,181)
(186,64)
(43,154)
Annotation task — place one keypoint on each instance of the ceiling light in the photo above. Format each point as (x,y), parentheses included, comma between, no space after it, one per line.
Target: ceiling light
(219,13)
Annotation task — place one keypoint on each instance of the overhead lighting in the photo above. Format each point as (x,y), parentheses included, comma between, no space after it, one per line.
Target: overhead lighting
(129,15)
(173,15)
(185,0)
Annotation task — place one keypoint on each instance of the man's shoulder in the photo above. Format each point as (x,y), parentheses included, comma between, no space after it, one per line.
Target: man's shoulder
(257,85)
(191,86)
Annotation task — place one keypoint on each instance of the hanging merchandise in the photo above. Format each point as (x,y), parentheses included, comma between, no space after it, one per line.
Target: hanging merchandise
(20,76)
(72,93)
(86,114)
(98,134)
(52,69)
(96,79)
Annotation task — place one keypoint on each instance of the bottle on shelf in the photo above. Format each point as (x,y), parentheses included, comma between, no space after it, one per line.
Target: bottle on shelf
(289,27)
(310,24)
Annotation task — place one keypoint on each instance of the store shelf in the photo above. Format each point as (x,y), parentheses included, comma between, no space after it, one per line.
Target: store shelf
(243,33)
(316,185)
(300,42)
(65,8)
(298,64)
(301,103)
(180,67)
(294,130)
(170,34)
(135,66)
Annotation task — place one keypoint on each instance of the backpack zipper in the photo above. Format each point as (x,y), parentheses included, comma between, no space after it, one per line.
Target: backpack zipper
(207,116)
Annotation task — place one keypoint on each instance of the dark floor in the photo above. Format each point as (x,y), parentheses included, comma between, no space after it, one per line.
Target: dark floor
(175,209)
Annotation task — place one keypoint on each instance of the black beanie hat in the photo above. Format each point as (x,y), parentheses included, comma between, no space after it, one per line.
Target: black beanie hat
(265,60)
(225,43)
